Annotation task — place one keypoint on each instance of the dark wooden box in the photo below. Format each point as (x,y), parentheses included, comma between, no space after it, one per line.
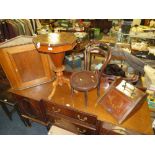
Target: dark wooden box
(120,99)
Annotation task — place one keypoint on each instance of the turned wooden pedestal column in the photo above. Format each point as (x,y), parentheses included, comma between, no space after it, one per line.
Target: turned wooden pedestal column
(56,44)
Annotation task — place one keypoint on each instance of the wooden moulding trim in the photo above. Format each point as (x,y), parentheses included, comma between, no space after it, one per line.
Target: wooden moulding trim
(56,49)
(36,120)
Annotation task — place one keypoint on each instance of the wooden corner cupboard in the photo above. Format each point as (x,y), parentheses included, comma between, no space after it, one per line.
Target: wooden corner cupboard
(69,112)
(23,65)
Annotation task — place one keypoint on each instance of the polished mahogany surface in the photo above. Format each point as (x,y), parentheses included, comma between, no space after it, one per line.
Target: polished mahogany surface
(138,121)
(55,42)
(55,39)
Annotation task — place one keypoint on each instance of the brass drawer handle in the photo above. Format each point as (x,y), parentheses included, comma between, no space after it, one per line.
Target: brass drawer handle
(54,110)
(81,131)
(82,119)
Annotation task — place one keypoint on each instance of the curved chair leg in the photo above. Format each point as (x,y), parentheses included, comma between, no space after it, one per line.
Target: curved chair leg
(86,98)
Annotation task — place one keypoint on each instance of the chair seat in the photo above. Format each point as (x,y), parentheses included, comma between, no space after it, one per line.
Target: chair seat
(84,80)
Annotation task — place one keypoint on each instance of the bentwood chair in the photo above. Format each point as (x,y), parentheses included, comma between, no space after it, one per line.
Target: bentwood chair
(87,80)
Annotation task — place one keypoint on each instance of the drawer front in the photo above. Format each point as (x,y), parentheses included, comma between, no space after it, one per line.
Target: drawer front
(77,129)
(72,113)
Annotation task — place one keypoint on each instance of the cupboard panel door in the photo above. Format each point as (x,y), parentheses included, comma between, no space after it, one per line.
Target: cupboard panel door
(25,67)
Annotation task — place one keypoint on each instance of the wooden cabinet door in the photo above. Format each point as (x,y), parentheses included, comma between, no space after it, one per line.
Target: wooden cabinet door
(26,67)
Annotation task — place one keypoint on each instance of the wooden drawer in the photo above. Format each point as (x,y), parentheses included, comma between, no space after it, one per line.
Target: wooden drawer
(77,129)
(72,113)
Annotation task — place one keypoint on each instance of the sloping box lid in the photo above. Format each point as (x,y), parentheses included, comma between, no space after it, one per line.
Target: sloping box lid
(120,99)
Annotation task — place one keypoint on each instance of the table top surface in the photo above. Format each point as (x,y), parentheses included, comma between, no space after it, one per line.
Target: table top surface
(139,120)
(55,39)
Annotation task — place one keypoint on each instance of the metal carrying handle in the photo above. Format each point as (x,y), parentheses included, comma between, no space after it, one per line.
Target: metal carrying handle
(82,119)
(131,91)
(81,131)
(54,110)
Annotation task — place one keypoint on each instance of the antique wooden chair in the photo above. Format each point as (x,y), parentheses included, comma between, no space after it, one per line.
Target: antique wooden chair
(87,80)
(119,57)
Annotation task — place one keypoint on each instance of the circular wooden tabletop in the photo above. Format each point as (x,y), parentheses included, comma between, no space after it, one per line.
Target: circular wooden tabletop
(55,39)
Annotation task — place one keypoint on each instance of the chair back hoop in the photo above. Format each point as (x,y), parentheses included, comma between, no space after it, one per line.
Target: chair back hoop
(100,48)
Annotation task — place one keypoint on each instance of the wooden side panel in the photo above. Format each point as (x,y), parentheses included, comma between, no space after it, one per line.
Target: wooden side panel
(8,69)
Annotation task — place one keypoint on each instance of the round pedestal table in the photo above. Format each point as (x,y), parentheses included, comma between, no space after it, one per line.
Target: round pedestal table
(55,45)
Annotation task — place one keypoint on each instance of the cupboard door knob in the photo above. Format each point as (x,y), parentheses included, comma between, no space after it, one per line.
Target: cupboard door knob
(56,111)
(81,131)
(82,119)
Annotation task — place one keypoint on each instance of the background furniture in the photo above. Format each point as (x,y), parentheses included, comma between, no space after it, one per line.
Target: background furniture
(86,80)
(56,44)
(103,24)
(23,65)
(69,112)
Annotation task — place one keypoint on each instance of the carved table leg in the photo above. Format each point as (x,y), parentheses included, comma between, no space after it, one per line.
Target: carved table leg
(55,83)
(60,80)
(67,81)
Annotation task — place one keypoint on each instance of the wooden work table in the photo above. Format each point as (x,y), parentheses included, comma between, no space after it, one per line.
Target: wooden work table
(139,121)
